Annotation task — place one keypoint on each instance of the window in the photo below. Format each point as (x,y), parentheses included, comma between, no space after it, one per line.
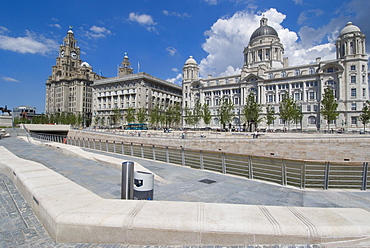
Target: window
(353,79)
(311,70)
(270,98)
(353,93)
(353,67)
(312,95)
(297,96)
(297,72)
(312,120)
(236,100)
(271,76)
(283,74)
(330,70)
(309,108)
(315,108)
(353,106)
(363,92)
(354,120)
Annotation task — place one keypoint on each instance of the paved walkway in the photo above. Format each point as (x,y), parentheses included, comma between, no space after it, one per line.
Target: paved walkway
(183,185)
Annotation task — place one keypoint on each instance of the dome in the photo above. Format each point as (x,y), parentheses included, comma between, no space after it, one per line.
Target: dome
(350,28)
(85,64)
(190,61)
(264,29)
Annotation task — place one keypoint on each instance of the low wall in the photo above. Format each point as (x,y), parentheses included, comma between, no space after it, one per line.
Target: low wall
(315,148)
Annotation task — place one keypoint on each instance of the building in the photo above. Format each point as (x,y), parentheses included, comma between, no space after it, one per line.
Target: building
(266,73)
(68,89)
(24,111)
(128,90)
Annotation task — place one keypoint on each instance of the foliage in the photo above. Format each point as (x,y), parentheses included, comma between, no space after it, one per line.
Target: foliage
(298,115)
(197,113)
(130,115)
(176,116)
(287,109)
(206,114)
(270,115)
(141,115)
(116,116)
(329,106)
(365,114)
(251,111)
(155,116)
(96,121)
(226,111)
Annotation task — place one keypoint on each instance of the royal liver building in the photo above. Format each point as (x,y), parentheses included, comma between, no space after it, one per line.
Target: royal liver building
(266,74)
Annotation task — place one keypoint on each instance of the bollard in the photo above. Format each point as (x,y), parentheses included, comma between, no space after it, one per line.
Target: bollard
(127,185)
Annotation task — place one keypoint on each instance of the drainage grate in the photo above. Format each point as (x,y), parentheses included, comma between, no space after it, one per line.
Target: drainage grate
(207,181)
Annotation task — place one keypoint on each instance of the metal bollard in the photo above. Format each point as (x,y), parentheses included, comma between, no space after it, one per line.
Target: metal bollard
(127,186)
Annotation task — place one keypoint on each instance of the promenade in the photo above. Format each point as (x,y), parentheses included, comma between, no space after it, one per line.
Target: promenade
(178,184)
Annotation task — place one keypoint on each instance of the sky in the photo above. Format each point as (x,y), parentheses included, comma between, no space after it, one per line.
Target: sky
(159,36)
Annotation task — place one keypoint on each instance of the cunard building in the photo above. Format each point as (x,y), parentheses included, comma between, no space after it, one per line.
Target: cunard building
(266,74)
(68,89)
(129,90)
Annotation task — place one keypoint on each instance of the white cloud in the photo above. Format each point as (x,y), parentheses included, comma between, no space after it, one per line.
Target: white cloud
(171,50)
(9,79)
(211,2)
(55,25)
(97,32)
(3,29)
(31,43)
(174,69)
(228,36)
(176,80)
(299,2)
(168,13)
(143,19)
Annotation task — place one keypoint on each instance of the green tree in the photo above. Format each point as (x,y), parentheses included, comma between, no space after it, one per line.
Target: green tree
(251,111)
(226,111)
(188,116)
(298,115)
(79,119)
(96,120)
(116,116)
(197,113)
(365,114)
(102,121)
(287,109)
(130,115)
(206,114)
(141,115)
(329,106)
(270,115)
(176,114)
(155,116)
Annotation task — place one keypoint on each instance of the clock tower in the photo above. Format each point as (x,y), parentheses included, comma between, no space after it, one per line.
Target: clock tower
(68,89)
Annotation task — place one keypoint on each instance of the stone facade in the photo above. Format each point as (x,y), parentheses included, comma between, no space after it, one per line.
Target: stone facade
(68,89)
(268,76)
(128,90)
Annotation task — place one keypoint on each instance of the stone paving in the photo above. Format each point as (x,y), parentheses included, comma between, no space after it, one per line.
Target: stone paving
(20,228)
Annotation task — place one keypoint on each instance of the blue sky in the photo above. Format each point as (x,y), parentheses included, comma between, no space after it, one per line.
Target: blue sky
(160,35)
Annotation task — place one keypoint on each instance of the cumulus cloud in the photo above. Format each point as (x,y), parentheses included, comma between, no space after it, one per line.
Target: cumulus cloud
(173,13)
(171,50)
(176,80)
(55,25)
(3,29)
(31,43)
(9,79)
(145,20)
(229,35)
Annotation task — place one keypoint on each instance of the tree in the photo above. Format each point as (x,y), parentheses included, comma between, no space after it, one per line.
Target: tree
(287,109)
(206,114)
(176,114)
(365,114)
(141,115)
(116,116)
(329,106)
(96,120)
(188,116)
(130,115)
(79,119)
(298,115)
(197,113)
(155,116)
(226,111)
(270,115)
(252,111)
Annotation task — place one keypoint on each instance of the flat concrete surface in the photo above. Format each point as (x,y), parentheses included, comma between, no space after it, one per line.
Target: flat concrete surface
(182,184)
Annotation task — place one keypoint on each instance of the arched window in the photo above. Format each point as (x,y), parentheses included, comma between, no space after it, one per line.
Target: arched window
(215,121)
(283,74)
(311,70)
(312,120)
(297,73)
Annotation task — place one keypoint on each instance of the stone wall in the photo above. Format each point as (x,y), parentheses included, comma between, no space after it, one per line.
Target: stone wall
(349,148)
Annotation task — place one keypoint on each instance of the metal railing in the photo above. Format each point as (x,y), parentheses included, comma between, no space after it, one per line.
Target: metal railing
(297,173)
